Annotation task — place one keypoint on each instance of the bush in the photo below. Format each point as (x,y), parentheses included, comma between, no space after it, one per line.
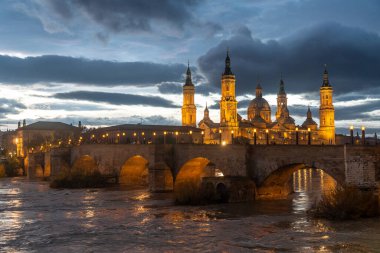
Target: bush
(188,192)
(10,167)
(76,179)
(347,202)
(2,171)
(192,192)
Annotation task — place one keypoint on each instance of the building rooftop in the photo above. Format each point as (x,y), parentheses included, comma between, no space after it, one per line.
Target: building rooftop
(141,127)
(48,125)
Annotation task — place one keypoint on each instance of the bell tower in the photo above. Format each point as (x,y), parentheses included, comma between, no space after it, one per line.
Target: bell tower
(228,103)
(326,111)
(189,111)
(282,101)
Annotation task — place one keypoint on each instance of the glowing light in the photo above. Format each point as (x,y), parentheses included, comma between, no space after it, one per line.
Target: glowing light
(296,128)
(203,132)
(93,136)
(220,131)
(309,129)
(254,130)
(176,133)
(104,136)
(165,133)
(134,134)
(232,131)
(154,133)
(351,127)
(118,135)
(142,133)
(123,134)
(107,134)
(363,128)
(224,143)
(266,130)
(191,132)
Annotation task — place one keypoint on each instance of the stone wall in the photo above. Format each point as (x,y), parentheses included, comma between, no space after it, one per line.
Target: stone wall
(35,165)
(362,165)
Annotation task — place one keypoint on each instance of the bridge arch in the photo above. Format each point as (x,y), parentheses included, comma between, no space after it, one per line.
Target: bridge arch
(278,184)
(135,171)
(195,169)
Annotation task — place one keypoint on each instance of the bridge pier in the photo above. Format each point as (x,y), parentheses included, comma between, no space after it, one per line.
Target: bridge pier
(160,178)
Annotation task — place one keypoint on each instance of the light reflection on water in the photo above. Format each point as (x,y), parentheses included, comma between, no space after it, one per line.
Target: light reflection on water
(36,218)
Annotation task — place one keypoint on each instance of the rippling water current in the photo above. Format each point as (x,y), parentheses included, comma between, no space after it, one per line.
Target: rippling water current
(35,218)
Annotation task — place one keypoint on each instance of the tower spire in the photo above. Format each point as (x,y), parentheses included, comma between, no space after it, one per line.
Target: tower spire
(189,82)
(309,116)
(282,86)
(326,82)
(227,70)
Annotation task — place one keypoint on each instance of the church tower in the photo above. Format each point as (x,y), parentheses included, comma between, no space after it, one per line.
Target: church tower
(228,103)
(282,101)
(326,111)
(189,111)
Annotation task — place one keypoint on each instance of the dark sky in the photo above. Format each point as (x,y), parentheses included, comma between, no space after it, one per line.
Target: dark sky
(107,62)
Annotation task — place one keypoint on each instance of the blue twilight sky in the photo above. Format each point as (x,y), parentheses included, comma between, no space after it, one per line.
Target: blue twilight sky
(123,61)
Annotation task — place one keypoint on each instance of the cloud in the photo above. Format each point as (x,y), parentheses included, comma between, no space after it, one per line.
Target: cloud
(176,88)
(352,56)
(135,15)
(63,69)
(164,17)
(106,121)
(116,98)
(10,106)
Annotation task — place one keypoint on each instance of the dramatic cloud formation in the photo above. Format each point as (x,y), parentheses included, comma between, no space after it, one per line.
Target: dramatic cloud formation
(352,56)
(62,69)
(48,47)
(116,98)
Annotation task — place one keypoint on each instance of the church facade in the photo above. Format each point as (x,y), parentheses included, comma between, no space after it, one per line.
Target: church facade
(259,128)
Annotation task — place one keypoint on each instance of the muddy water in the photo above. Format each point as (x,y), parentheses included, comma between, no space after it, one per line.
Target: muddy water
(35,218)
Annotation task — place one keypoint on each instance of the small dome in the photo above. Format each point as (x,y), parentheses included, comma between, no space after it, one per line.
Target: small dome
(308,123)
(259,104)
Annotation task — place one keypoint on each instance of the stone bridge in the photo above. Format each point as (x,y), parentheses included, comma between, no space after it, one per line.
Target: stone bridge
(270,167)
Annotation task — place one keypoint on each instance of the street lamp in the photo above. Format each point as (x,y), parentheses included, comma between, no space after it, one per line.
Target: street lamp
(203,133)
(267,135)
(232,136)
(176,137)
(296,135)
(254,136)
(191,137)
(309,136)
(352,134)
(165,137)
(220,136)
(363,135)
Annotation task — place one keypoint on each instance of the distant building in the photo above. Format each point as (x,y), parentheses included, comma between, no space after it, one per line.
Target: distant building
(144,134)
(42,134)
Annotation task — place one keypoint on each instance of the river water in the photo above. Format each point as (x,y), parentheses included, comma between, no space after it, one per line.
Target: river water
(35,218)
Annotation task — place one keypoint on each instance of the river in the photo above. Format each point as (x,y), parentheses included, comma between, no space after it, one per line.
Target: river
(35,218)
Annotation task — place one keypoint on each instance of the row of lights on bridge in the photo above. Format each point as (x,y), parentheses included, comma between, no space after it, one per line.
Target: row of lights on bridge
(267,136)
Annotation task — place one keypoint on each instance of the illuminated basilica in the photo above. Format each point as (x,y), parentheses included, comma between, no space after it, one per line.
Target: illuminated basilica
(259,127)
